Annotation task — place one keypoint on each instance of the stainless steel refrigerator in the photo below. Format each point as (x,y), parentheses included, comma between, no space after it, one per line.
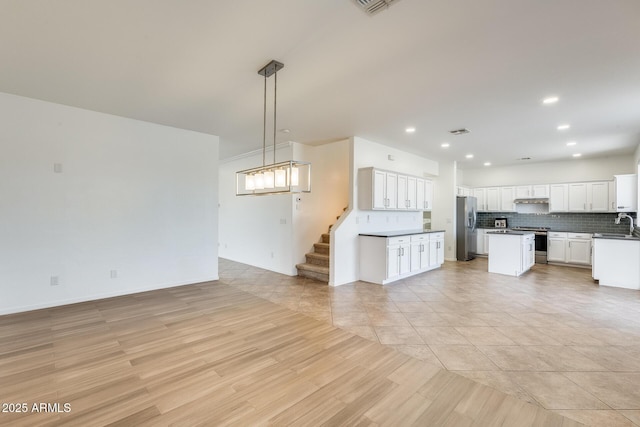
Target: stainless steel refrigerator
(466,216)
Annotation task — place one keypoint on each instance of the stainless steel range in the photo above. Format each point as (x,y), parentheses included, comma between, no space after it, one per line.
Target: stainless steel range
(541,241)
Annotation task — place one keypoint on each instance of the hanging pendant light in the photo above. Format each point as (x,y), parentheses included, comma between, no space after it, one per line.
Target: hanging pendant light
(281,178)
(290,176)
(249,182)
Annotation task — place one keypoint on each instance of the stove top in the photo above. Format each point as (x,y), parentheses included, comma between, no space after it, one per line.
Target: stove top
(531,228)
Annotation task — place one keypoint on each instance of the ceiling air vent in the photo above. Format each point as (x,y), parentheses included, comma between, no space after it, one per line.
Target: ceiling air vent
(372,7)
(459,131)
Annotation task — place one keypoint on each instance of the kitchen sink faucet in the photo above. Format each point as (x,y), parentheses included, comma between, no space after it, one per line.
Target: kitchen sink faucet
(624,215)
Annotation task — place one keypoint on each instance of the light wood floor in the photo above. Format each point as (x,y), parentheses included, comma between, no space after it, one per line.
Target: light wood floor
(211,354)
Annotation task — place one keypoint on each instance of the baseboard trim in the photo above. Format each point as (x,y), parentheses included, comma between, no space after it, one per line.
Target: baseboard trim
(97,297)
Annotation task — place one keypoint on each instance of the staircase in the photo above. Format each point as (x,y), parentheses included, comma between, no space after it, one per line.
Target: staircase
(317,265)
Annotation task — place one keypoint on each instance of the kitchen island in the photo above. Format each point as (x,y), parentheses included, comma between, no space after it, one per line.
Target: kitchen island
(511,253)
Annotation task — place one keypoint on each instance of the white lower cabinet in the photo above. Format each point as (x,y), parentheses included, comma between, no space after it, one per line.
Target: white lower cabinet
(556,247)
(436,250)
(569,248)
(419,252)
(482,241)
(480,233)
(387,259)
(579,249)
(398,259)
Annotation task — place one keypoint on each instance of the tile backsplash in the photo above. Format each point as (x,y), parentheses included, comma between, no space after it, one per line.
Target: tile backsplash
(575,222)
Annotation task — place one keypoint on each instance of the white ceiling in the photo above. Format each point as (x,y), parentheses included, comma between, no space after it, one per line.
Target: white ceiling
(437,65)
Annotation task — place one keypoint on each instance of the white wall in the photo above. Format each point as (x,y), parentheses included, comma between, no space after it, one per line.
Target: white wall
(345,247)
(256,230)
(316,211)
(444,207)
(550,172)
(275,232)
(135,197)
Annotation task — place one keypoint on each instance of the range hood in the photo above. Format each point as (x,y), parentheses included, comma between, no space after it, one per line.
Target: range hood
(532,201)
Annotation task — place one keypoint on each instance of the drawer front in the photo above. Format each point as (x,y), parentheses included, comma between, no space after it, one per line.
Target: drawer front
(556,234)
(437,236)
(398,240)
(419,237)
(585,236)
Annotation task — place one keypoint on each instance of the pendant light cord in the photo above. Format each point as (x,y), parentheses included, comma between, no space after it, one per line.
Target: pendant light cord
(264,123)
(275,100)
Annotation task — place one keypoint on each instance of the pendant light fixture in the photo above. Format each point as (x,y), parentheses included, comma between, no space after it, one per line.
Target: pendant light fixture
(290,176)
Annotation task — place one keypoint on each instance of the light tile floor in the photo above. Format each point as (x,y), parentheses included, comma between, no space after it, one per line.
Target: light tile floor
(551,337)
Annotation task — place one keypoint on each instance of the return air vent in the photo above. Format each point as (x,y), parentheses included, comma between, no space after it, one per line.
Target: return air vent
(372,7)
(459,131)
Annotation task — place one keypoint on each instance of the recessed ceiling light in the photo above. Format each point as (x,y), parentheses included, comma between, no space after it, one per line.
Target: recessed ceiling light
(564,127)
(487,163)
(571,143)
(550,100)
(444,145)
(577,155)
(410,130)
(285,130)
(469,156)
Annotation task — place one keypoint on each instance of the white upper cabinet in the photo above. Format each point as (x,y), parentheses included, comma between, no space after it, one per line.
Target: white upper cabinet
(493,199)
(578,197)
(620,195)
(523,191)
(626,193)
(379,190)
(558,198)
(428,195)
(540,191)
(391,190)
(481,195)
(507,195)
(598,196)
(387,190)
(411,193)
(403,197)
(589,197)
(464,191)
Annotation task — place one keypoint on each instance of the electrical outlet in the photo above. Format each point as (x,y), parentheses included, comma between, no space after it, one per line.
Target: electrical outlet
(283,220)
(272,255)
(57,167)
(114,274)
(55,280)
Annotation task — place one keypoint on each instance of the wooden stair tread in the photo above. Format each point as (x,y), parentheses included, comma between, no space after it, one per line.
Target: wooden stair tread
(318,256)
(313,267)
